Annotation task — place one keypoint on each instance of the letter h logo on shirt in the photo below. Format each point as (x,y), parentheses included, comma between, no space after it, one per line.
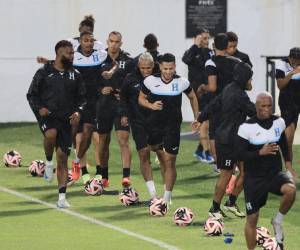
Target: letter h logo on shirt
(277,132)
(95,58)
(175,87)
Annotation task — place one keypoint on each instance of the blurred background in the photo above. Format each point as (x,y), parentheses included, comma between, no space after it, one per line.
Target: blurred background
(32,27)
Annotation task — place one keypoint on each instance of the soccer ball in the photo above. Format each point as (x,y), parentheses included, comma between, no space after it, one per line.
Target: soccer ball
(213,227)
(93,187)
(158,208)
(37,168)
(12,159)
(70,181)
(183,216)
(129,196)
(262,234)
(271,244)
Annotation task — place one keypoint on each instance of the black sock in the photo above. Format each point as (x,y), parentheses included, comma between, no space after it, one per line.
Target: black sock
(49,158)
(98,170)
(126,172)
(84,170)
(216,206)
(104,171)
(232,199)
(200,147)
(207,152)
(62,190)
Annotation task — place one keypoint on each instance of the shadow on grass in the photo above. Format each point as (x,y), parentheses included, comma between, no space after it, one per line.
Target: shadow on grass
(17,124)
(22,212)
(198,179)
(193,196)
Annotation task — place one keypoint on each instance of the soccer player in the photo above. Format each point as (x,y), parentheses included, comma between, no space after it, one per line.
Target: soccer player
(232,49)
(57,97)
(195,57)
(138,117)
(116,66)
(87,24)
(150,44)
(88,62)
(162,94)
(234,106)
(288,81)
(219,70)
(258,144)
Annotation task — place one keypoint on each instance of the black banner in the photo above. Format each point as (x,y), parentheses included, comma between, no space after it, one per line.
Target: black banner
(210,14)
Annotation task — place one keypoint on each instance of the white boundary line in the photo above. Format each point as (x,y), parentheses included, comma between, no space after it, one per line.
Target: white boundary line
(90,219)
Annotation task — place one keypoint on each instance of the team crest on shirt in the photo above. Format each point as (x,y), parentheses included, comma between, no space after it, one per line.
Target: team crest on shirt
(277,132)
(175,86)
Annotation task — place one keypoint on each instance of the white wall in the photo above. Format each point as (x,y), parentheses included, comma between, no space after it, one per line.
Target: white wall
(32,27)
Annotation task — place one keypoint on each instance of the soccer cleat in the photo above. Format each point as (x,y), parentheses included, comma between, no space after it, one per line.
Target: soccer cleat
(278,231)
(234,209)
(219,214)
(75,171)
(216,169)
(85,178)
(150,202)
(48,175)
(126,182)
(105,183)
(63,203)
(200,155)
(209,158)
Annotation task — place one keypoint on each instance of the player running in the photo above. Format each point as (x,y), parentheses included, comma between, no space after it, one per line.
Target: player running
(162,94)
(57,98)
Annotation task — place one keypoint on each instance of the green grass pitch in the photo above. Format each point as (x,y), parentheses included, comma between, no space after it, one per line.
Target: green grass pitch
(28,225)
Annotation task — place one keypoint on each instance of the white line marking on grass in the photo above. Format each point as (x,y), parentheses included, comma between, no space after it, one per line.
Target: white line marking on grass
(91,220)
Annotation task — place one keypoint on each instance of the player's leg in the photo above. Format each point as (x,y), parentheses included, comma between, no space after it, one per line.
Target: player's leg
(140,137)
(250,230)
(226,164)
(83,147)
(64,144)
(49,130)
(282,185)
(290,133)
(230,204)
(96,142)
(123,140)
(104,127)
(171,142)
(204,138)
(62,177)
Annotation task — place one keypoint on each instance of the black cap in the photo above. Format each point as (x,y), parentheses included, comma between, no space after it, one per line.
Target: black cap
(295,53)
(242,73)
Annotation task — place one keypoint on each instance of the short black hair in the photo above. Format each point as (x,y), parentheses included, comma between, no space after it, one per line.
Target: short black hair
(150,42)
(62,44)
(86,33)
(221,41)
(201,30)
(232,37)
(167,57)
(89,21)
(117,33)
(295,53)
